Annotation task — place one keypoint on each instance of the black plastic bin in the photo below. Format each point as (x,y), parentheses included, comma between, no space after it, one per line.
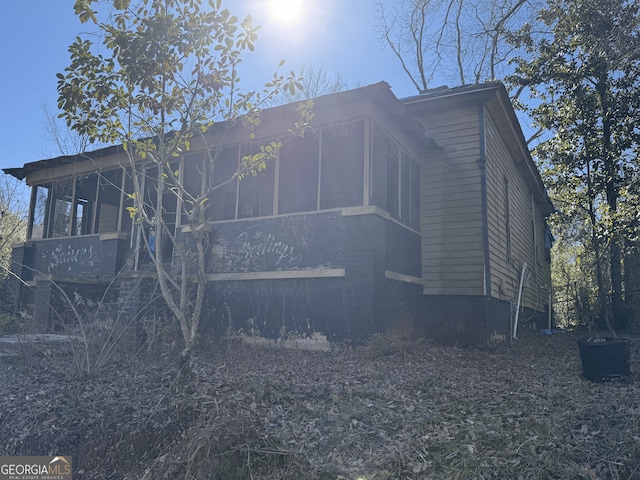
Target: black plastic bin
(605,359)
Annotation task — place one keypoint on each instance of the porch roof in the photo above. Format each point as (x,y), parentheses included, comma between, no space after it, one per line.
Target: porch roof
(379,94)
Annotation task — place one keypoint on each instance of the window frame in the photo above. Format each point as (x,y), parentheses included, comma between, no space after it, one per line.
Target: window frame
(67,191)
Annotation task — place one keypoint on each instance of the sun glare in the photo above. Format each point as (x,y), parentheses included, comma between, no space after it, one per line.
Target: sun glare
(285,11)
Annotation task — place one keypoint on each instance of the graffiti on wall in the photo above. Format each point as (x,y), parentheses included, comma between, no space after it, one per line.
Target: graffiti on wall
(262,247)
(82,256)
(286,243)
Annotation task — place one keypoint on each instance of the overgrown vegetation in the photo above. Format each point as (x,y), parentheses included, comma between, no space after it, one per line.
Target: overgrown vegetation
(163,78)
(93,327)
(582,66)
(391,409)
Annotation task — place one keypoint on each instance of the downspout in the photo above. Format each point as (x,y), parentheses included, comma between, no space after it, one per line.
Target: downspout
(484,205)
(524,280)
(550,301)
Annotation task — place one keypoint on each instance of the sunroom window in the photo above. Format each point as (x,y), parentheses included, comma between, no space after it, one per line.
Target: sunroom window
(192,176)
(299,168)
(81,205)
(255,195)
(395,178)
(61,208)
(342,166)
(378,190)
(222,199)
(83,210)
(38,212)
(108,201)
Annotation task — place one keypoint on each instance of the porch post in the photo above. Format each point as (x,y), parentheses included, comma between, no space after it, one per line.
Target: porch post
(42,304)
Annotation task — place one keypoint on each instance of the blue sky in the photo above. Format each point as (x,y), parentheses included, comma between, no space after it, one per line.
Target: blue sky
(337,35)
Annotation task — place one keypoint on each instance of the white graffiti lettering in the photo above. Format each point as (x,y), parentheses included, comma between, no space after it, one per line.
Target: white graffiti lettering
(263,245)
(80,256)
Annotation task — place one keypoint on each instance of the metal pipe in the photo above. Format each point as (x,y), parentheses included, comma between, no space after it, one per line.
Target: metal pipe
(525,271)
(484,203)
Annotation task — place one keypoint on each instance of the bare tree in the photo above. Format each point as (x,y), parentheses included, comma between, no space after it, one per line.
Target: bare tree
(463,41)
(314,82)
(14,209)
(66,140)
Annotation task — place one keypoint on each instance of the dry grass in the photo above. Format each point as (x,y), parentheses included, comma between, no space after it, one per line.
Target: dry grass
(392,410)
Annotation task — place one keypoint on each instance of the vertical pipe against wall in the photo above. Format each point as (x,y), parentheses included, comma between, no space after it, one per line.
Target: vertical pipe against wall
(320,153)
(550,300)
(535,234)
(366,191)
(484,200)
(276,184)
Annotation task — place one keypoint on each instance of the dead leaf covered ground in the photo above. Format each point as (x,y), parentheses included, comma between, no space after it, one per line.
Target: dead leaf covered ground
(392,410)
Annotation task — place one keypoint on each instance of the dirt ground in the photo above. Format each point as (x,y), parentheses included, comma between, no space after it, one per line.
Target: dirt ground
(395,409)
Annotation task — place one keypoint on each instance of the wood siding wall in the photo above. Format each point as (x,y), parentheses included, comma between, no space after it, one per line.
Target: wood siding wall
(451,205)
(527,228)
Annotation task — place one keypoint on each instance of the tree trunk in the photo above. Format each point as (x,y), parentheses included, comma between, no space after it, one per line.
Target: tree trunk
(604,306)
(611,191)
(615,257)
(617,300)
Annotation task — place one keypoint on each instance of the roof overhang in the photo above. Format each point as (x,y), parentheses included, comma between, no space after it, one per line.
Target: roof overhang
(372,100)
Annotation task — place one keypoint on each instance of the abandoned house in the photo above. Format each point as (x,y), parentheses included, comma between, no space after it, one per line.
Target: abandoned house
(425,215)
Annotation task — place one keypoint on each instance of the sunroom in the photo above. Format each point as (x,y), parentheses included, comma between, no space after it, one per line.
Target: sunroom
(359,162)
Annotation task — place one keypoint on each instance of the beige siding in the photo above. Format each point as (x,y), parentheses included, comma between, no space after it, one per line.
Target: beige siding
(527,241)
(451,214)
(108,221)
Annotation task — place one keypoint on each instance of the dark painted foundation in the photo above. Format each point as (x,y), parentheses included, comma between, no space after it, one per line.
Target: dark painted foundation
(346,275)
(330,306)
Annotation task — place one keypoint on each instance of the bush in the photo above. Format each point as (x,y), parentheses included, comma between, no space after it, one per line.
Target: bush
(11,324)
